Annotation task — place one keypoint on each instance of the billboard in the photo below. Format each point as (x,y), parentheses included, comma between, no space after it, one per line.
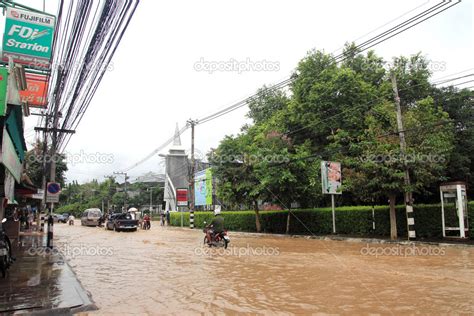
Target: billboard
(28,37)
(331,179)
(36,92)
(3,90)
(203,187)
(181,197)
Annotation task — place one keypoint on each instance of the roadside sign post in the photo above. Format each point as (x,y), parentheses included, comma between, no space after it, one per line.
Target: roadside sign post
(181,200)
(333,207)
(331,182)
(52,196)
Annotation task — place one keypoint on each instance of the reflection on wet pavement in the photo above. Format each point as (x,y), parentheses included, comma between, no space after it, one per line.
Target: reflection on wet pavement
(39,280)
(169,271)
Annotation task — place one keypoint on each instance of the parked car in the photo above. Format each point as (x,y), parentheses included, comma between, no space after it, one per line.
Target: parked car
(91,217)
(121,221)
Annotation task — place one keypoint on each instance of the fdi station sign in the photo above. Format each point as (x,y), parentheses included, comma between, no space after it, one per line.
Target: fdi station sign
(28,37)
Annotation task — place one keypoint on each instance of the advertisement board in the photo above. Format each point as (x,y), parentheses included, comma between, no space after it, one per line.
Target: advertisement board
(37,89)
(331,179)
(3,90)
(181,197)
(9,157)
(203,187)
(28,37)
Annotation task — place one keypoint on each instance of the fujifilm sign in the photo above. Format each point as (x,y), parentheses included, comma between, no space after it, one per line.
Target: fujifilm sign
(30,17)
(28,37)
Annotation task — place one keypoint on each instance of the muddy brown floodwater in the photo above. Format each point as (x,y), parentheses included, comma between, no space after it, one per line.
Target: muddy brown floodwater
(169,271)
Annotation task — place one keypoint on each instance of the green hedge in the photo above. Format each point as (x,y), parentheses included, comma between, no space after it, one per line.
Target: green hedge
(353,220)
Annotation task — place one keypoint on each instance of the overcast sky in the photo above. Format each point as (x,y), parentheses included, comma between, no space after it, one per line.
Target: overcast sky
(157,80)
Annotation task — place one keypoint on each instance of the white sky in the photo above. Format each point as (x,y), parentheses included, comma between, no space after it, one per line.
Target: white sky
(153,83)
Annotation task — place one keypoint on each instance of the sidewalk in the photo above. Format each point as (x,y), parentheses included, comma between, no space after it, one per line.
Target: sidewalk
(41,282)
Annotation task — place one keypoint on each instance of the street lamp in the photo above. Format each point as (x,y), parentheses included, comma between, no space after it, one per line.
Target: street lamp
(151,198)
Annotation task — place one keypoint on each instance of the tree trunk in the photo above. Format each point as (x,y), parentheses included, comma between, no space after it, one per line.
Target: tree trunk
(288,222)
(257,218)
(393,217)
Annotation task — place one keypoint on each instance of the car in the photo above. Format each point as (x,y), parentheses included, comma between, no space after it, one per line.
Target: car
(61,218)
(121,221)
(91,217)
(58,218)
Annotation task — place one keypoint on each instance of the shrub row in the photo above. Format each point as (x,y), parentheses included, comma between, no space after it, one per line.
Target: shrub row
(353,220)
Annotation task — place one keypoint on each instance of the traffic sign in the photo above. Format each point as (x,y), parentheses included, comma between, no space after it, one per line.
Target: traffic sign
(53,188)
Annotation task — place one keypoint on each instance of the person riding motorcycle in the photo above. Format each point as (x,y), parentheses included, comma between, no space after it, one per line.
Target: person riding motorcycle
(146,222)
(216,226)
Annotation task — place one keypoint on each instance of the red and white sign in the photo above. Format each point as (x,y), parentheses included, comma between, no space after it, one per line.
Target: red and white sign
(37,90)
(181,197)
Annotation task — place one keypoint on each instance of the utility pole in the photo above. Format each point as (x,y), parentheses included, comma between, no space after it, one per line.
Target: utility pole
(126,196)
(406,176)
(193,166)
(151,199)
(45,169)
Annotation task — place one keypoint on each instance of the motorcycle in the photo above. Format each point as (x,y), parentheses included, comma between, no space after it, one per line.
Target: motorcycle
(6,258)
(146,224)
(217,240)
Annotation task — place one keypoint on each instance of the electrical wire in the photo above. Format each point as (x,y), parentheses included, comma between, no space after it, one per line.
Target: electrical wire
(396,30)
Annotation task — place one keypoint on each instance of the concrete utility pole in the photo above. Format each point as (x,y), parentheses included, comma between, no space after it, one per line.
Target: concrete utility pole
(126,196)
(403,146)
(191,181)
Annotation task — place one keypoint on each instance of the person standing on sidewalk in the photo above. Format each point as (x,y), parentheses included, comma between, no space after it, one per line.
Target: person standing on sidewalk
(168,218)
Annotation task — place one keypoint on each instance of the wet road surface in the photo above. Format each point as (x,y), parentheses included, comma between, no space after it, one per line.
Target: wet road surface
(169,271)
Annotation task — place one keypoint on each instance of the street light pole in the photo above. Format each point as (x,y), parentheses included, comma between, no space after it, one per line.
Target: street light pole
(126,177)
(151,199)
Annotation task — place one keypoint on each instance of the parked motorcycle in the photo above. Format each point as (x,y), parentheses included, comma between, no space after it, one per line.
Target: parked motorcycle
(218,240)
(6,258)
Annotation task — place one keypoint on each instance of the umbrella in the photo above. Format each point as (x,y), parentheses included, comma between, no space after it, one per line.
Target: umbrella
(132,209)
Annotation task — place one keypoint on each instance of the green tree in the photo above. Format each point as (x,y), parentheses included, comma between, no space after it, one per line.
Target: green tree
(233,168)
(35,169)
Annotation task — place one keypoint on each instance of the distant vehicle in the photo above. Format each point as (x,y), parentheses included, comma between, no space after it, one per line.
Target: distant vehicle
(91,217)
(122,221)
(61,218)
(58,218)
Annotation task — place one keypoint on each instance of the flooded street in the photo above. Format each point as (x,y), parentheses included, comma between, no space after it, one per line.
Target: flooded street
(169,271)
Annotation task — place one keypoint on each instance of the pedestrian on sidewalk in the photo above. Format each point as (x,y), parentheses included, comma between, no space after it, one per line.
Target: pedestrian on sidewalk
(167,217)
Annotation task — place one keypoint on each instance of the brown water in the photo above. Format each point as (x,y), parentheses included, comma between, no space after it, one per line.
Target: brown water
(169,271)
